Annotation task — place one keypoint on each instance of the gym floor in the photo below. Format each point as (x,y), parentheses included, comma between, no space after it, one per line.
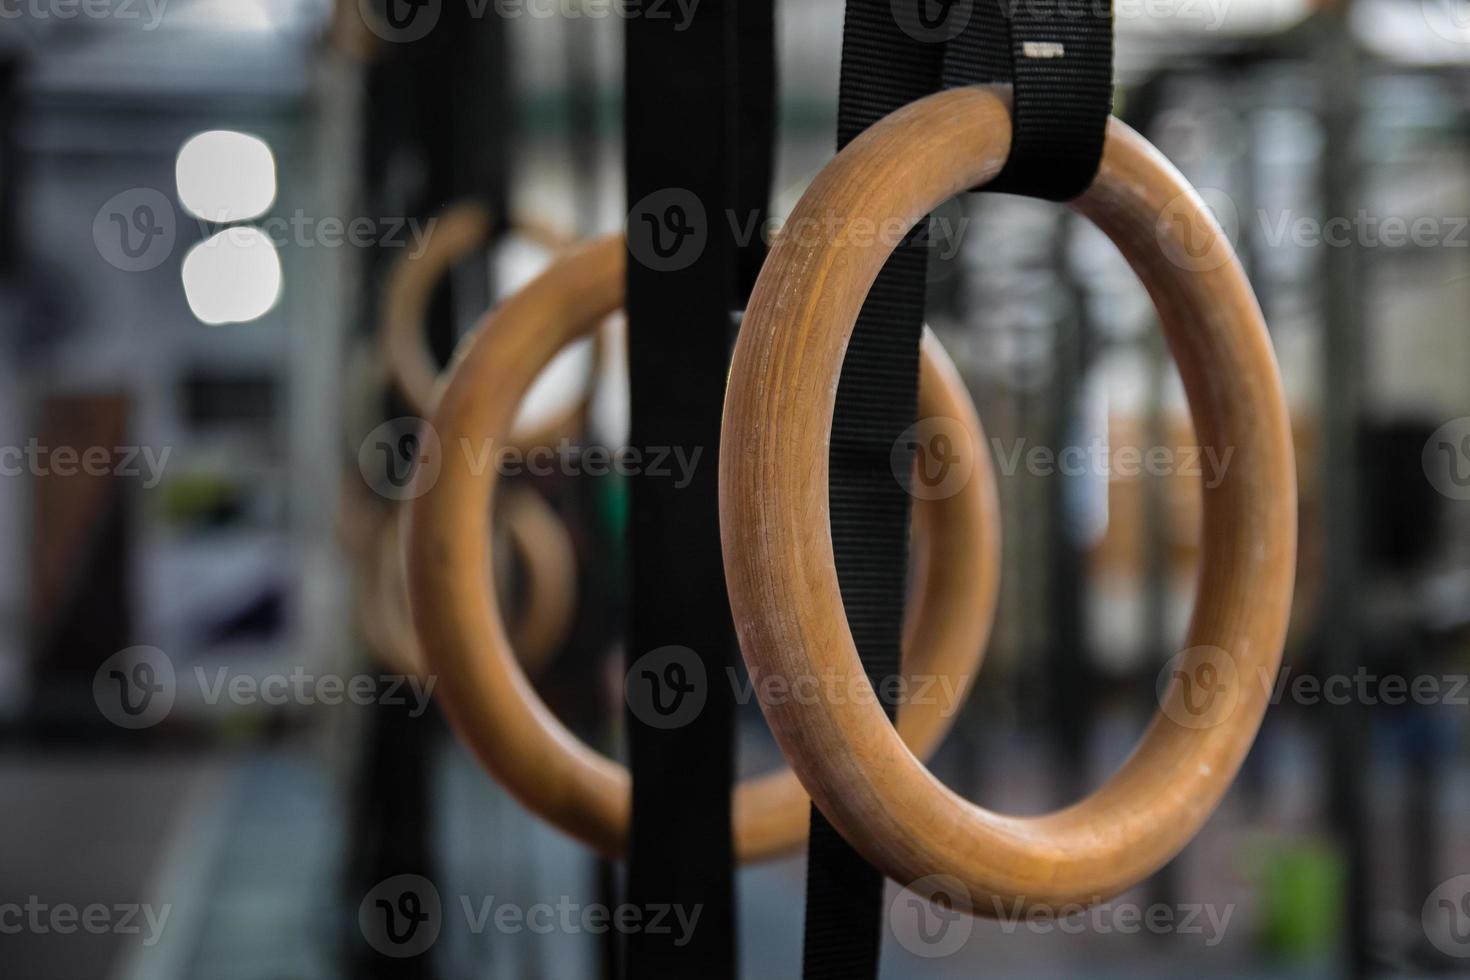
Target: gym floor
(243,849)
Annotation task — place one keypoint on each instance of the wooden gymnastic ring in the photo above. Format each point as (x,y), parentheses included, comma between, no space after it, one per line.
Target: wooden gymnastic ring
(537,532)
(410,285)
(548,559)
(778,545)
(381,607)
(484,692)
(403,332)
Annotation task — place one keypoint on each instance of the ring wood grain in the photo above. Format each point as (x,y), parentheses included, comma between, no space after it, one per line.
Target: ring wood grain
(485,693)
(778,546)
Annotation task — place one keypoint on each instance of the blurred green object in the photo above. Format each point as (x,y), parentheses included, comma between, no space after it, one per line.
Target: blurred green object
(200,499)
(1303,888)
(612,506)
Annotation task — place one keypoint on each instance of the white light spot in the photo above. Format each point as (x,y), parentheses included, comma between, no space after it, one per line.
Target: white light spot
(232,277)
(226,176)
(558,387)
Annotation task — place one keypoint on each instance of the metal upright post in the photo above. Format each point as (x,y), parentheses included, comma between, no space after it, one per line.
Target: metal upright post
(1072,683)
(1346,725)
(422,120)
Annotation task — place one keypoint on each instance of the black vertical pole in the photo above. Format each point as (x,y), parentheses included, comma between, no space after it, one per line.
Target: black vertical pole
(1345,725)
(420,123)
(1072,687)
(390,803)
(9,162)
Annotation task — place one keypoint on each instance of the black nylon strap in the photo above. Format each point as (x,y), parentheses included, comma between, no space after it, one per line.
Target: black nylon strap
(679,850)
(883,67)
(698,122)
(876,401)
(1058,56)
(1058,53)
(754,113)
